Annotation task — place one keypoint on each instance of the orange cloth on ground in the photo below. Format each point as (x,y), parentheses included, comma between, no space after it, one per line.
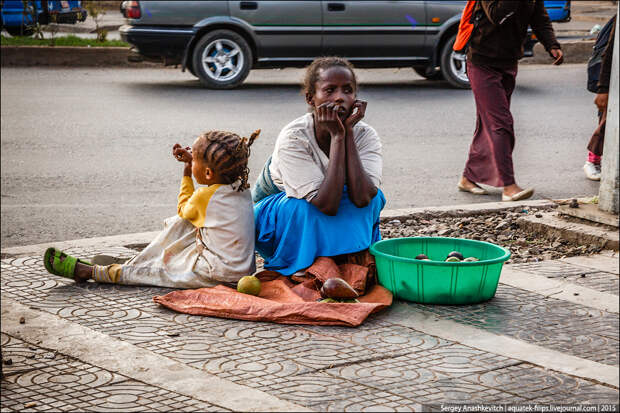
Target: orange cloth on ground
(282,301)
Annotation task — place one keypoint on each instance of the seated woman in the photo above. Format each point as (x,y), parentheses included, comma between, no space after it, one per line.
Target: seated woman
(318,194)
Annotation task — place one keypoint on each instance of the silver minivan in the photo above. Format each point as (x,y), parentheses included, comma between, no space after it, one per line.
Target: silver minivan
(221,41)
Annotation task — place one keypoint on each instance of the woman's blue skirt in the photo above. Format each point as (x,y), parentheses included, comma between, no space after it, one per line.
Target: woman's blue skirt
(291,233)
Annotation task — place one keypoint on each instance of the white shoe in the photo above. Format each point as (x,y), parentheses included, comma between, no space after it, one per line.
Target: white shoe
(476,190)
(593,171)
(525,194)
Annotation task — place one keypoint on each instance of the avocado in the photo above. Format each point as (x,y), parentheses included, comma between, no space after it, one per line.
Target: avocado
(456,254)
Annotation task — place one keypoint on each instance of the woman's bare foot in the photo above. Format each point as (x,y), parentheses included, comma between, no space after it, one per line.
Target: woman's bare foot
(468,186)
(511,190)
(515,193)
(82,272)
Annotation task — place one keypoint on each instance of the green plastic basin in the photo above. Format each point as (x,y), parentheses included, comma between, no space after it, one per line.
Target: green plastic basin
(437,281)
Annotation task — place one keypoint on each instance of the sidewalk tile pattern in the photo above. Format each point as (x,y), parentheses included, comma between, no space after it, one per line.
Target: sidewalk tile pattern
(377,366)
(548,322)
(586,277)
(66,384)
(543,386)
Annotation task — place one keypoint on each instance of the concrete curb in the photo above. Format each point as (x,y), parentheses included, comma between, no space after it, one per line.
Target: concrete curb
(575,52)
(25,56)
(561,289)
(144,238)
(550,226)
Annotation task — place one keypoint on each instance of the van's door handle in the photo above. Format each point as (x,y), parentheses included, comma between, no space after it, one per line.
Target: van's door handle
(335,7)
(248,5)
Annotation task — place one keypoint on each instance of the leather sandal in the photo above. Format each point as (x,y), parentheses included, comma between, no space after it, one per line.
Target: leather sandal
(476,190)
(525,194)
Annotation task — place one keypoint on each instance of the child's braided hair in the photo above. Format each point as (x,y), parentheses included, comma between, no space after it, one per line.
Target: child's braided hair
(228,154)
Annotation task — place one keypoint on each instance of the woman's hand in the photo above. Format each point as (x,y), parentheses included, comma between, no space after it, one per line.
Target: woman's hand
(558,55)
(358,110)
(182,154)
(601,101)
(327,119)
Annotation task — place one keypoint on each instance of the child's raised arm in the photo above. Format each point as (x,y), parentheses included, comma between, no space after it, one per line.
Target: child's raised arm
(183,155)
(187,183)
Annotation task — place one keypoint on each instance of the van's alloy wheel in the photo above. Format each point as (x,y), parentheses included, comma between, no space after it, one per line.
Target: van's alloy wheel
(458,66)
(222,59)
(454,65)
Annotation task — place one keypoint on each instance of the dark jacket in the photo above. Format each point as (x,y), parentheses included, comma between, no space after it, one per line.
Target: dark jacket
(603,80)
(499,34)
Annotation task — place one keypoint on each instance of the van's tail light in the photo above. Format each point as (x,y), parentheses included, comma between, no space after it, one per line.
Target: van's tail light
(132,10)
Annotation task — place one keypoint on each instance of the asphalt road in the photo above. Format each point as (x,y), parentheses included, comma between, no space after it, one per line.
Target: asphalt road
(86,152)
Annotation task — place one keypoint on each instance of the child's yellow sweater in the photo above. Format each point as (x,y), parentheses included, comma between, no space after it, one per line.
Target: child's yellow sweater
(193,204)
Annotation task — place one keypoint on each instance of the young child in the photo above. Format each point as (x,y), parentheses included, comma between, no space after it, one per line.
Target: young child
(210,241)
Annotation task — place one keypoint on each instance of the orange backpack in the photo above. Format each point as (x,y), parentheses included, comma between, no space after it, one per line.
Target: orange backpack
(466,27)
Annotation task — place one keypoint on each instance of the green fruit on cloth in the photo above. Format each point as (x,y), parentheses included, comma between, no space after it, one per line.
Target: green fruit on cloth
(249,285)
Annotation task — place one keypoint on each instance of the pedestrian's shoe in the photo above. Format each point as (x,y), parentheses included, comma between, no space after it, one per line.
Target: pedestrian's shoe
(525,194)
(476,190)
(593,171)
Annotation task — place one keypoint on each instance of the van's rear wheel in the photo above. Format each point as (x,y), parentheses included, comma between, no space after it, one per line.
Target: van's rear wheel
(454,65)
(222,59)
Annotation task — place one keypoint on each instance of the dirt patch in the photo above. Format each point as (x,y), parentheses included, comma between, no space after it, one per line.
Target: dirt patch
(499,228)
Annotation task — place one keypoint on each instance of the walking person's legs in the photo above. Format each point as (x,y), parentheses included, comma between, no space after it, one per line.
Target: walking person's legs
(490,154)
(592,167)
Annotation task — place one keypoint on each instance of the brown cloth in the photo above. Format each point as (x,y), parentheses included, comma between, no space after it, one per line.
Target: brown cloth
(597,140)
(283,301)
(490,153)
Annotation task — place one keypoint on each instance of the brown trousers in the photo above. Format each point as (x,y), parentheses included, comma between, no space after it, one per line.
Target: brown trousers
(490,153)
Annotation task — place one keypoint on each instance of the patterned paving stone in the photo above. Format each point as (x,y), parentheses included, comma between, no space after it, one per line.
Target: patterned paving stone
(66,384)
(548,322)
(586,277)
(455,390)
(422,368)
(386,338)
(377,366)
(320,353)
(318,390)
(536,384)
(371,402)
(24,357)
(600,281)
(552,268)
(188,347)
(265,367)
